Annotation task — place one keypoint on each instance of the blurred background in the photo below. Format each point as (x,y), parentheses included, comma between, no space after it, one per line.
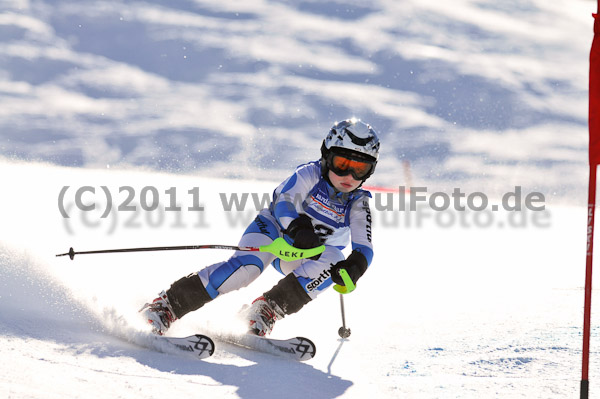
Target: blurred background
(473,94)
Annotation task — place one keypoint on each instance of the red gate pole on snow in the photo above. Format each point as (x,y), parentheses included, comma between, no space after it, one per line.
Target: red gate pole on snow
(594,159)
(588,285)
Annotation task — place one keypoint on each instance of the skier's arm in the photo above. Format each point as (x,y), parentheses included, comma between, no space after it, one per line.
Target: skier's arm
(302,232)
(289,196)
(362,249)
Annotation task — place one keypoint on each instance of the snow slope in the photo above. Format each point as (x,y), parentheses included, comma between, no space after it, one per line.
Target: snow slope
(444,312)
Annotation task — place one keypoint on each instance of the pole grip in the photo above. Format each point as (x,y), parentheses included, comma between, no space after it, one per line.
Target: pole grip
(348,286)
(284,251)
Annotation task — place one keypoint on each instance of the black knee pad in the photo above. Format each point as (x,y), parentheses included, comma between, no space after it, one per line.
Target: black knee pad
(288,294)
(187,294)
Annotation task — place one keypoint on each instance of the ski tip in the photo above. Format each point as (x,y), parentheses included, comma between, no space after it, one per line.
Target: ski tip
(305,348)
(211,347)
(197,346)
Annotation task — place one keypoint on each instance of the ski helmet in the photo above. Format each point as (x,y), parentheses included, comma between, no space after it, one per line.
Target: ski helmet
(353,140)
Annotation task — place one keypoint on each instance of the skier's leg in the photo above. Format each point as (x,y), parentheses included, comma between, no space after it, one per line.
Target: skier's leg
(242,268)
(194,291)
(314,275)
(237,272)
(304,281)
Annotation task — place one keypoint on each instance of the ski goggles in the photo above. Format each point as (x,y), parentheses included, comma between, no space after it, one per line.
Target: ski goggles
(343,165)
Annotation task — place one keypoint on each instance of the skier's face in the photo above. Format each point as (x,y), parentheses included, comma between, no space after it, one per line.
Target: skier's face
(345,184)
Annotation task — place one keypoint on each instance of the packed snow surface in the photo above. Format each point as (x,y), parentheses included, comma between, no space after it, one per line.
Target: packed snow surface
(493,309)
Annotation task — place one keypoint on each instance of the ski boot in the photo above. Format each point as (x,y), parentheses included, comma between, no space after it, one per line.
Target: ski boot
(262,315)
(159,314)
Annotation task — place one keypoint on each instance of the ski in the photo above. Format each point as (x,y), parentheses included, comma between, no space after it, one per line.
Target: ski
(197,346)
(200,346)
(297,348)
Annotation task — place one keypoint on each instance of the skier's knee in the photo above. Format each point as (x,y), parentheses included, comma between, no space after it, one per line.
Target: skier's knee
(332,255)
(288,294)
(236,273)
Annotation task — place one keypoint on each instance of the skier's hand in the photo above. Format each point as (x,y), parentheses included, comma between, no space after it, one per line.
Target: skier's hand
(355,265)
(303,233)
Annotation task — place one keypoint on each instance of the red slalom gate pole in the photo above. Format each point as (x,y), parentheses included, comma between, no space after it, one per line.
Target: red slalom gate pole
(594,160)
(585,383)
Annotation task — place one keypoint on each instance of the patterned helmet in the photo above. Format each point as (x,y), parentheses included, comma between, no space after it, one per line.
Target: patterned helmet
(352,139)
(354,135)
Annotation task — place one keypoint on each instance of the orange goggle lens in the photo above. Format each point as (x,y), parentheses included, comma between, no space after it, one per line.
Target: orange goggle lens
(343,166)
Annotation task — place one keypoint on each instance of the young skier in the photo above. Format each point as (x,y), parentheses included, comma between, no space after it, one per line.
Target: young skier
(321,203)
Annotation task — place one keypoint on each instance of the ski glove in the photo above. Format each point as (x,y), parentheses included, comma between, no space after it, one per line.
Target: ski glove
(303,233)
(355,265)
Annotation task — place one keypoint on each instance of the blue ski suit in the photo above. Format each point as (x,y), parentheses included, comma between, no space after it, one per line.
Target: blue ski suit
(338,218)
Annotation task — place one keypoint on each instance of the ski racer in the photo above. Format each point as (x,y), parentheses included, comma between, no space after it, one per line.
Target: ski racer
(321,203)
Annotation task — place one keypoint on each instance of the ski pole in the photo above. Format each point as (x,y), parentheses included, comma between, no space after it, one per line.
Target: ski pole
(347,288)
(343,331)
(279,248)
